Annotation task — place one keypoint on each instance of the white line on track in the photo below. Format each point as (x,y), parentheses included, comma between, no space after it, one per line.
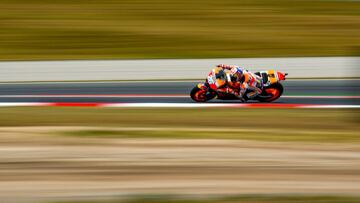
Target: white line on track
(19,104)
(331,106)
(164,81)
(173,105)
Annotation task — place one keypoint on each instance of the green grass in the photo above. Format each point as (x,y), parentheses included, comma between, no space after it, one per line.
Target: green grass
(322,125)
(235,199)
(113,29)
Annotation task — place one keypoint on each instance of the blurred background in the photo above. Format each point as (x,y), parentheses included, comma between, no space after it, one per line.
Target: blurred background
(113,29)
(63,61)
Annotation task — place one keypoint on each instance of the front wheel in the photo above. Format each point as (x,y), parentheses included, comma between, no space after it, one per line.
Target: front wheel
(271,93)
(200,95)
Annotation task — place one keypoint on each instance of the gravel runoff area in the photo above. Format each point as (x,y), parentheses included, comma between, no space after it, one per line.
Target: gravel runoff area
(39,164)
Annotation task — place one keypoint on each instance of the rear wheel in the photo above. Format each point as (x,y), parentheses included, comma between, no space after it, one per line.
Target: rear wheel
(271,93)
(200,95)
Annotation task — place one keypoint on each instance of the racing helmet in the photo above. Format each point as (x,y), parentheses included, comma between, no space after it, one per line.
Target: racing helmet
(236,73)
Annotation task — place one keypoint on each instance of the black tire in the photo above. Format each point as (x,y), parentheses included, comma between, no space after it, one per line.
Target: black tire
(277,86)
(206,97)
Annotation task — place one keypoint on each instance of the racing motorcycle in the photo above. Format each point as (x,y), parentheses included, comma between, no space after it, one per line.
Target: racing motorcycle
(271,91)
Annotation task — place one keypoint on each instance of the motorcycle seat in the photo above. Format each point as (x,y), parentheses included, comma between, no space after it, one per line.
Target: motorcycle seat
(263,76)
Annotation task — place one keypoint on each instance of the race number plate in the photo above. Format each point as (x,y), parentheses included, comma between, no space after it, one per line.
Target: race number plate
(272,76)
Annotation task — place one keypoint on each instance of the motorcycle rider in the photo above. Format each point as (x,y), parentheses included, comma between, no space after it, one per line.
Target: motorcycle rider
(224,79)
(240,79)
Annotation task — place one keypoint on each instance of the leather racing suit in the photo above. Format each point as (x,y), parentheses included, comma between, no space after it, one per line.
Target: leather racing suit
(253,83)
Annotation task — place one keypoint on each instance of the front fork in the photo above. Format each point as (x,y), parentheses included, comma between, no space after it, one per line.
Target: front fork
(210,94)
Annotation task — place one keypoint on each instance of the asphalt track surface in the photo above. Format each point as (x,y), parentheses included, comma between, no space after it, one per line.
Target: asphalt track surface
(328,92)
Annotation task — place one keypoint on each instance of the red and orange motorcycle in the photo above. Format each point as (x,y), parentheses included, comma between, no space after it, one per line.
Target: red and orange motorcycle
(272,89)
